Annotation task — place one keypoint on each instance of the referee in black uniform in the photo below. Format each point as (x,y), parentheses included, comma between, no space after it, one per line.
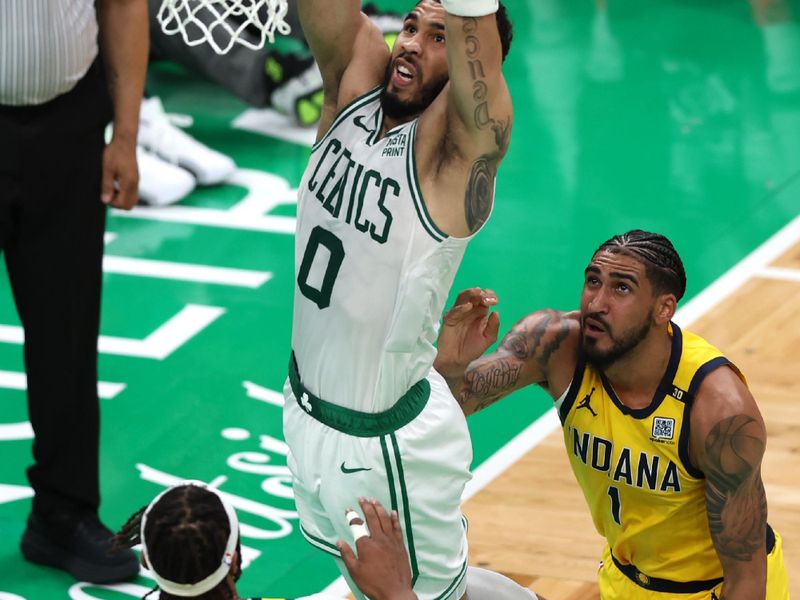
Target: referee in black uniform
(67,68)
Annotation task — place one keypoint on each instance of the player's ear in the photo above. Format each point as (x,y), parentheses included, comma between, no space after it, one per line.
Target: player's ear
(665,307)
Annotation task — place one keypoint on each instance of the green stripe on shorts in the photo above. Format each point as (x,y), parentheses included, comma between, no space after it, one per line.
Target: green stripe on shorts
(405,512)
(320,544)
(412,553)
(454,583)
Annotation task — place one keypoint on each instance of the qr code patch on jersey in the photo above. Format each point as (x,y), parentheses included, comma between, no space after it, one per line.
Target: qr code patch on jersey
(663,428)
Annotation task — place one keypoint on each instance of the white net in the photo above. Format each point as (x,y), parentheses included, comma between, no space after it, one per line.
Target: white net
(223,23)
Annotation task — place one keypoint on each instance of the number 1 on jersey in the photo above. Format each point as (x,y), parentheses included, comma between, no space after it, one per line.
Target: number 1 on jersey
(616,505)
(320,237)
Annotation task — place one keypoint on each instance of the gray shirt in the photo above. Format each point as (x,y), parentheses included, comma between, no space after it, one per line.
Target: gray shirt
(46,47)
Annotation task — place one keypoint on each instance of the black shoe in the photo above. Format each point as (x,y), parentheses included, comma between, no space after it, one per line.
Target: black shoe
(85,552)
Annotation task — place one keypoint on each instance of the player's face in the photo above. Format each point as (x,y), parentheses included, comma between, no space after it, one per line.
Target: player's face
(617,307)
(417,71)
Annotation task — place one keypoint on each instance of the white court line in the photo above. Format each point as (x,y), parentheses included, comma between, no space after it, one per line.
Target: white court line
(10,432)
(170,336)
(780,273)
(754,262)
(161,269)
(530,437)
(12,493)
(511,452)
(265,191)
(13,380)
(212,217)
(258,392)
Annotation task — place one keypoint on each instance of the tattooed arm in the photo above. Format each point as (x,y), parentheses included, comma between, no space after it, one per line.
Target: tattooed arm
(539,349)
(479,103)
(727,443)
(465,132)
(479,107)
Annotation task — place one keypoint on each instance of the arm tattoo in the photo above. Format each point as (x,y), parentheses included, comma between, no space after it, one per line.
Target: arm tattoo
(539,342)
(480,193)
(490,378)
(480,186)
(489,382)
(735,498)
(502,131)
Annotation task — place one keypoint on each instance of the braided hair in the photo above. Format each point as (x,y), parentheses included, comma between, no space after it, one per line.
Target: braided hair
(662,264)
(186,531)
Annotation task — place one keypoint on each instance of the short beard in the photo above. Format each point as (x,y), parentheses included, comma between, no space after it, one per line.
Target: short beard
(622,346)
(407,110)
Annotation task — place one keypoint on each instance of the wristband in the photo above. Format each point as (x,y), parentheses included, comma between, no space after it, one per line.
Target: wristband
(470,8)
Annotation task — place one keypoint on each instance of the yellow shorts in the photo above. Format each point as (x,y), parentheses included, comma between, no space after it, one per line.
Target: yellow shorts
(614,585)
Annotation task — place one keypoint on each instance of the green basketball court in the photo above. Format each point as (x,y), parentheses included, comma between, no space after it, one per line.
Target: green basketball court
(657,115)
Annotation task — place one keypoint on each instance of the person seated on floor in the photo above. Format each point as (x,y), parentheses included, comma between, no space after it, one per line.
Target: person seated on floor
(190,542)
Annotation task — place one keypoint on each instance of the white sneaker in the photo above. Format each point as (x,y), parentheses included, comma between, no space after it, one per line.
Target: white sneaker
(300,95)
(161,183)
(158,135)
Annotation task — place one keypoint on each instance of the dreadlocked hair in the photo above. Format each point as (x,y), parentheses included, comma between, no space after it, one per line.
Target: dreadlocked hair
(663,266)
(186,533)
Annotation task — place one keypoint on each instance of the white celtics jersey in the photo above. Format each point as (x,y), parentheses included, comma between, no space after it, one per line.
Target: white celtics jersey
(372,270)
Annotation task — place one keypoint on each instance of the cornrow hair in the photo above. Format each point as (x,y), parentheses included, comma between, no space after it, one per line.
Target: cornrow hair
(186,532)
(663,265)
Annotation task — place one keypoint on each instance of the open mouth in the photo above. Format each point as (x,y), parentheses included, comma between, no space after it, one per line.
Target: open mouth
(403,73)
(593,327)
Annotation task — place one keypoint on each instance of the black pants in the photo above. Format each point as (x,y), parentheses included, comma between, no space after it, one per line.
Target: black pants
(51,231)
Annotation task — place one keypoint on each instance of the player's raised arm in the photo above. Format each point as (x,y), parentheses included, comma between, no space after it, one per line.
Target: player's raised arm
(727,442)
(539,349)
(330,28)
(479,103)
(350,51)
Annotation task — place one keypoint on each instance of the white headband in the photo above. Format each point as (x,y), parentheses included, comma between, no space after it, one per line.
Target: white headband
(189,590)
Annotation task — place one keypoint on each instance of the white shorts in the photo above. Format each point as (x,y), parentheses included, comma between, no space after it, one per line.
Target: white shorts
(418,469)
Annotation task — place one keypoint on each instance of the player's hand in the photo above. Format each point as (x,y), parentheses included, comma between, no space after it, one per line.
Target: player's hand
(381,569)
(468,329)
(120,185)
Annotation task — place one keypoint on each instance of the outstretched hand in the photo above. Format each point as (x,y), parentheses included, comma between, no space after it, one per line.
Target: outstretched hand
(381,570)
(468,329)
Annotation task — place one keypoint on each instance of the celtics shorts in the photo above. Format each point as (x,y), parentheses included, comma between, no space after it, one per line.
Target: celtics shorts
(616,585)
(413,458)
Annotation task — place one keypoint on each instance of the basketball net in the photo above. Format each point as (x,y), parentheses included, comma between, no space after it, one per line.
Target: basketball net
(223,23)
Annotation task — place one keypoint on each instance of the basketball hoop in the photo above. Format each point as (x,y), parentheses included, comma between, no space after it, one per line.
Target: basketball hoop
(223,23)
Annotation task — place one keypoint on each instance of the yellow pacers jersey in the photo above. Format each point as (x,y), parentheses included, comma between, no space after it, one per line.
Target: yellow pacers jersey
(633,465)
